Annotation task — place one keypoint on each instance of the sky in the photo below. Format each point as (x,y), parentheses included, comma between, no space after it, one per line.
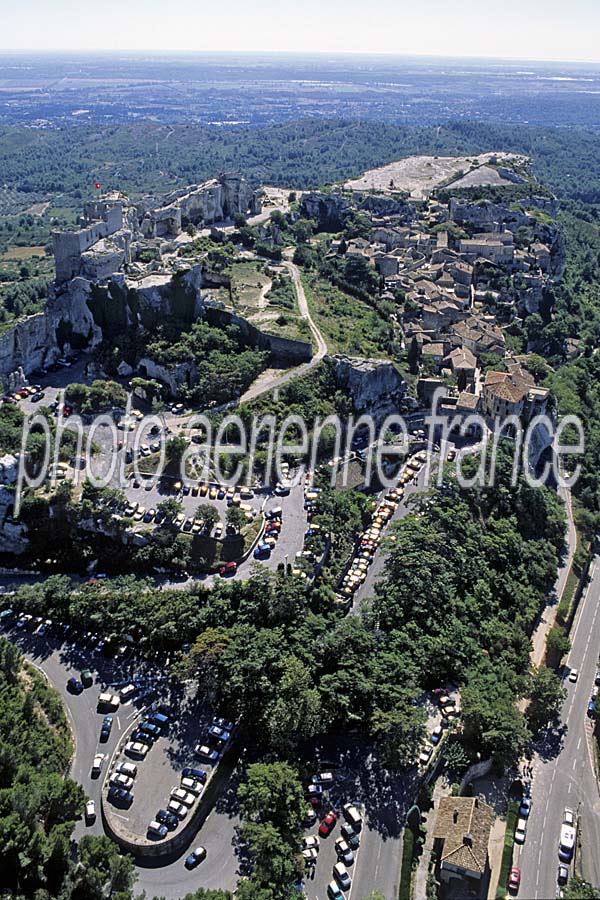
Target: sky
(516,29)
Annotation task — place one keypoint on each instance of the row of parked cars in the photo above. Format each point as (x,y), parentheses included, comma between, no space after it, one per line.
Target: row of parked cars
(121,781)
(346,845)
(274,520)
(365,554)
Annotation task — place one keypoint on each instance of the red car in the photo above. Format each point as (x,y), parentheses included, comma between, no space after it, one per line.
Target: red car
(514,879)
(229,568)
(327,824)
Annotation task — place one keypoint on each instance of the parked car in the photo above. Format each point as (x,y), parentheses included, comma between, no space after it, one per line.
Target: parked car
(206,752)
(351,835)
(136,748)
(436,734)
(328,824)
(569,817)
(311,842)
(156,829)
(223,723)
(525,807)
(191,784)
(567,842)
(263,551)
(126,768)
(121,780)
(182,796)
(215,732)
(86,678)
(198,774)
(310,856)
(323,778)
(127,693)
(520,831)
(168,819)
(344,851)
(151,729)
(514,879)
(342,876)
(353,816)
(334,892)
(228,569)
(106,699)
(119,796)
(178,809)
(195,857)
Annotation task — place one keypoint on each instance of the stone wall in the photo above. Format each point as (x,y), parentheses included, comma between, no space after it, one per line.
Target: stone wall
(283,349)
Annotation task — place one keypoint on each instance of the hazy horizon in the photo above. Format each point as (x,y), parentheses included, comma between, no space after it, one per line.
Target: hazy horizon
(519,30)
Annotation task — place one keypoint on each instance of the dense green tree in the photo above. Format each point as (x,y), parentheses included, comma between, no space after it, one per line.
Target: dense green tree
(546,695)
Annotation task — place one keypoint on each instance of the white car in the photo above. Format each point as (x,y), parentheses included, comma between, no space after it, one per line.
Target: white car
(521,831)
(126,768)
(183,796)
(344,851)
(97,764)
(309,855)
(191,784)
(342,876)
(311,842)
(122,781)
(569,817)
(107,699)
(425,756)
(179,809)
(573,675)
(136,748)
(127,692)
(90,811)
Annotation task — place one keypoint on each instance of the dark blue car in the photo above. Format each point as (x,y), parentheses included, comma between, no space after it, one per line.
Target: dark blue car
(190,772)
(106,728)
(74,686)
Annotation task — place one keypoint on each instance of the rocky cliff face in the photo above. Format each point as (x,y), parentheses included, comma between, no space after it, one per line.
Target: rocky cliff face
(375,385)
(330,210)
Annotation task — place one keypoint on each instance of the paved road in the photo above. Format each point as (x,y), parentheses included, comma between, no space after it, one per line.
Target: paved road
(384,798)
(564,767)
(375,571)
(219,832)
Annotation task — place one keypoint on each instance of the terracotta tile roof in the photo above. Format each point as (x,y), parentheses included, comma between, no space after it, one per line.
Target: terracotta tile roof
(464,825)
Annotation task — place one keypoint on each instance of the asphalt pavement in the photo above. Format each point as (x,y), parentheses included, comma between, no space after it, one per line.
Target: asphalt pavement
(564,767)
(218,834)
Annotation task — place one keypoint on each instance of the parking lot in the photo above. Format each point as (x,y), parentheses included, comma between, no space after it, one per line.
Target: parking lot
(382,798)
(60,659)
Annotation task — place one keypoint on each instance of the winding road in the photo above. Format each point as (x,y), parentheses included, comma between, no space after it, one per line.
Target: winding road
(273,381)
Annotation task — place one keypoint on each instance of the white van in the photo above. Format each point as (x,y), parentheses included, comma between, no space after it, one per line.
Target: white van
(353,816)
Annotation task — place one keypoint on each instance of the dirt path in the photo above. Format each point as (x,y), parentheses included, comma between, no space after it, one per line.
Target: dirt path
(270,381)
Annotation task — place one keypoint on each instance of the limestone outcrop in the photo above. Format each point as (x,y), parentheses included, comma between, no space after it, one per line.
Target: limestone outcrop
(375,386)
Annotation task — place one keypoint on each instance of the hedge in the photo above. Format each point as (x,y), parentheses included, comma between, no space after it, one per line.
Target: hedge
(408,848)
(509,843)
